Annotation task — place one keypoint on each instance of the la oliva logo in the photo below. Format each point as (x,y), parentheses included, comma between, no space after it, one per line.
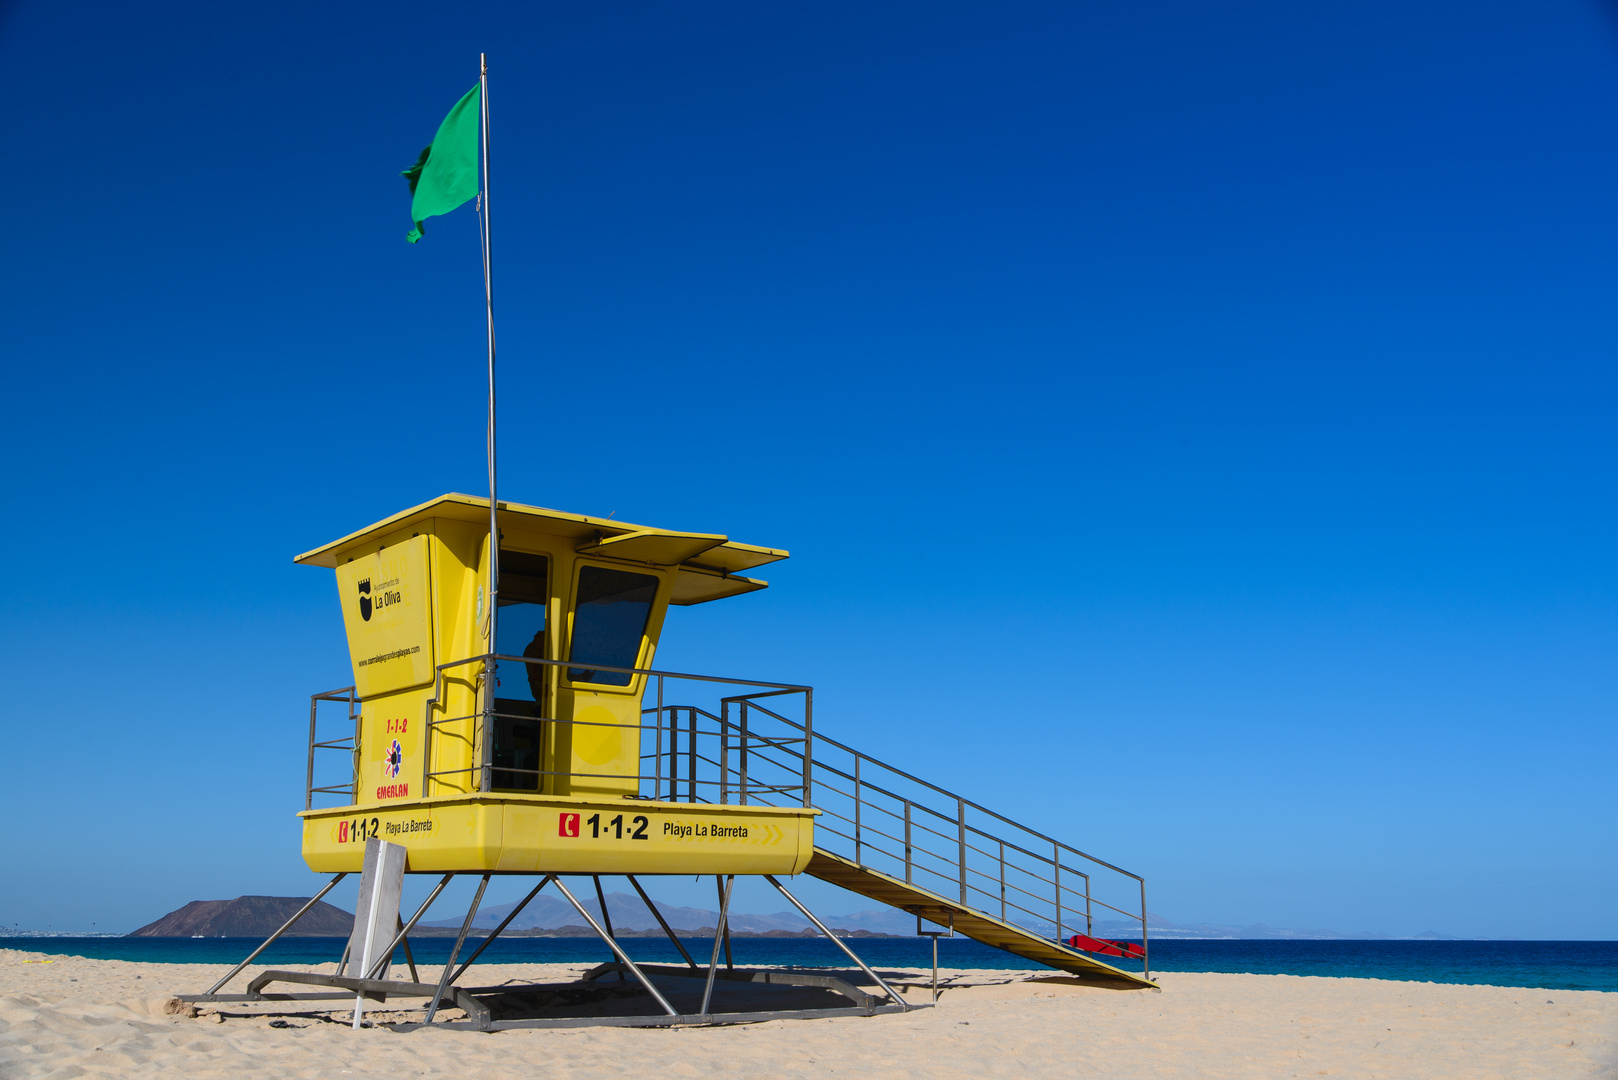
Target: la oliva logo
(365,599)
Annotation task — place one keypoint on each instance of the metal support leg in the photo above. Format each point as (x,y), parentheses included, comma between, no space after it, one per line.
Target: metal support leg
(410,957)
(606,917)
(490,939)
(724,923)
(623,957)
(664,923)
(719,931)
(443,980)
(935,935)
(387,954)
(601,900)
(330,885)
(782,889)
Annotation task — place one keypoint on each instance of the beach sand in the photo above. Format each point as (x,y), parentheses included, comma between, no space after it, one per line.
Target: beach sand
(75,1017)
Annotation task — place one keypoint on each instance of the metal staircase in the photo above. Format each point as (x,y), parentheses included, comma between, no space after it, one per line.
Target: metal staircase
(892,837)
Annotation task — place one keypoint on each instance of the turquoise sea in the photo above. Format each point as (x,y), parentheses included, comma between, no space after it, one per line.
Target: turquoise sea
(1551,965)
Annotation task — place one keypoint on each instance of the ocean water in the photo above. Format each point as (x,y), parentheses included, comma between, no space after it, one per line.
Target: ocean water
(1550,965)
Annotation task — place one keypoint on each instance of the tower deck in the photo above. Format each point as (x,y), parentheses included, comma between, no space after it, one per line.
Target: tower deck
(558,834)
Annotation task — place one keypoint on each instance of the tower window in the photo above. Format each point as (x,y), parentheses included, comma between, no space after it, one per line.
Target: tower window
(609,622)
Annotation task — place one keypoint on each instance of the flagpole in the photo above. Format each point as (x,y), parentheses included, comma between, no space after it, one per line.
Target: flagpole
(494,525)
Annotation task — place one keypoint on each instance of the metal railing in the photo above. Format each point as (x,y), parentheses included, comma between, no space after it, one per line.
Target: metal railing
(697,764)
(886,819)
(350,742)
(760,748)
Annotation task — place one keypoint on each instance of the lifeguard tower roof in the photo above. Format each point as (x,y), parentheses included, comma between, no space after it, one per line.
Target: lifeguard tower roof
(709,565)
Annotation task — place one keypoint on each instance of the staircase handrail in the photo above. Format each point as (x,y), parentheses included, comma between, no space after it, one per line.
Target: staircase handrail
(821,737)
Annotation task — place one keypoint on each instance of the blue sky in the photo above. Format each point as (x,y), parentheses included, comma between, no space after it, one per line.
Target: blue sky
(1193,428)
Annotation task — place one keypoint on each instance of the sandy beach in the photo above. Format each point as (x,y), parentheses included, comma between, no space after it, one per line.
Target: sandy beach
(76,1017)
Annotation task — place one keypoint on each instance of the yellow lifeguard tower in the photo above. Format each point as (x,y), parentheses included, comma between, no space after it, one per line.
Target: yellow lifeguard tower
(559,748)
(542,771)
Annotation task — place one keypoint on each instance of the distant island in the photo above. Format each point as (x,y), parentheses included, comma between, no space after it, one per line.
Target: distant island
(249,916)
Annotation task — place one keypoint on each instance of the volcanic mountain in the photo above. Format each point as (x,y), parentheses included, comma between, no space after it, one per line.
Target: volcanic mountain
(249,916)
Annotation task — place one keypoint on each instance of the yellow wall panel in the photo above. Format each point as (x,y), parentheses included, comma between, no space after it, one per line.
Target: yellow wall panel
(387,611)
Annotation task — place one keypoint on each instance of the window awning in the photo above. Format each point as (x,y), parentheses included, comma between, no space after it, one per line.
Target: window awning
(699,587)
(657,548)
(709,562)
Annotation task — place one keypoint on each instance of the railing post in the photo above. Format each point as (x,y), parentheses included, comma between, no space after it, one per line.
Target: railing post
(859,856)
(960,818)
(1056,861)
(1145,955)
(1089,917)
(907,842)
(354,757)
(808,744)
(657,756)
(1002,881)
(691,756)
(724,752)
(427,735)
(309,784)
(486,783)
(674,754)
(744,752)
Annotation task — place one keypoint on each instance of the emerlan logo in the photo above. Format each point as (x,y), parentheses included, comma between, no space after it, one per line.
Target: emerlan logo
(365,599)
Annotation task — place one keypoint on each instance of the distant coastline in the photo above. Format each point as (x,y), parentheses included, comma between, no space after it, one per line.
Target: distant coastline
(1560,965)
(548,917)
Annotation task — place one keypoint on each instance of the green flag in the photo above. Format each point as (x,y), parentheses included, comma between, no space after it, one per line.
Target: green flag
(447,173)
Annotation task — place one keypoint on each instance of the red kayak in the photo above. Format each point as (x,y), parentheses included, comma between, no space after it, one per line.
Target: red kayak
(1085,943)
